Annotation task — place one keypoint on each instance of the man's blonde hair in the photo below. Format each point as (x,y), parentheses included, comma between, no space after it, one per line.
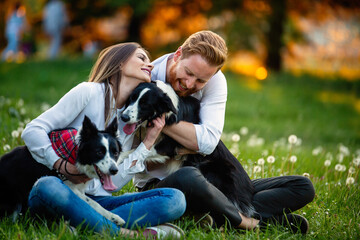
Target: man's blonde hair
(208,45)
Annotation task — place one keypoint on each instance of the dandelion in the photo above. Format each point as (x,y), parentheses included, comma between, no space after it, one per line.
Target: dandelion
(316,151)
(338,167)
(270,159)
(22,111)
(257,169)
(298,142)
(327,163)
(307,175)
(6,147)
(44,107)
(244,131)
(329,156)
(344,150)
(356,161)
(350,180)
(343,168)
(235,137)
(261,161)
(352,170)
(15,134)
(292,139)
(293,159)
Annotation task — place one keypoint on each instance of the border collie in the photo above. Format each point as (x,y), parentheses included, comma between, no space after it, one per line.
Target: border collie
(96,153)
(147,102)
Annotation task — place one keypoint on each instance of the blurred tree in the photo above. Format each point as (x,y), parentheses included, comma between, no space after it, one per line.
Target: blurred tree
(82,10)
(274,34)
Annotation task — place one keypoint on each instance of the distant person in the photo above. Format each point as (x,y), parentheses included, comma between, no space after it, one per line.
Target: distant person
(15,24)
(55,21)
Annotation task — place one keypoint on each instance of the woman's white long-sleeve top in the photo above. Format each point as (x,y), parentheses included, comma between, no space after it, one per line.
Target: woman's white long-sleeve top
(88,99)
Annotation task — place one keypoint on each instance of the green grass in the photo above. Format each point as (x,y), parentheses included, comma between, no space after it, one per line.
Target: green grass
(319,112)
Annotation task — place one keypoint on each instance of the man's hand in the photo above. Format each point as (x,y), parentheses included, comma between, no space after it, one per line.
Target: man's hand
(65,168)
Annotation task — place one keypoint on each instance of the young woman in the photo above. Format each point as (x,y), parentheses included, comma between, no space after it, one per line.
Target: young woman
(117,71)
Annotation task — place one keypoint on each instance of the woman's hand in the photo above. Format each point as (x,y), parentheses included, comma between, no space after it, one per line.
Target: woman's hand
(65,168)
(153,132)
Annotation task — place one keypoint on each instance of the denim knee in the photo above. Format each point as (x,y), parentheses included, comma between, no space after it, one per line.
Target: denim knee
(176,203)
(49,189)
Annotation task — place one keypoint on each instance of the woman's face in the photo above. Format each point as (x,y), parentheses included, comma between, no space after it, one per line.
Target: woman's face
(138,67)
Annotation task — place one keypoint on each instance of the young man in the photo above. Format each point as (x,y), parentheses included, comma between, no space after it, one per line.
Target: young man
(194,69)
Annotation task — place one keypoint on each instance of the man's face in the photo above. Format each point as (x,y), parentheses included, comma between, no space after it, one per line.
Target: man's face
(190,74)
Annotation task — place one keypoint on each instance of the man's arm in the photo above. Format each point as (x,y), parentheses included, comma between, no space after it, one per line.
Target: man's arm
(184,133)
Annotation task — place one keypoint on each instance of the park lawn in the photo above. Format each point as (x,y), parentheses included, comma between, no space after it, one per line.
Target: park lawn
(324,115)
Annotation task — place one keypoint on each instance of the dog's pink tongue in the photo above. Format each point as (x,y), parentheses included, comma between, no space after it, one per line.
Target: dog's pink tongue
(129,128)
(108,184)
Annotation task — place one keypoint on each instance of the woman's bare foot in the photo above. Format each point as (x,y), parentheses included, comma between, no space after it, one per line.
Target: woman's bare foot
(248,223)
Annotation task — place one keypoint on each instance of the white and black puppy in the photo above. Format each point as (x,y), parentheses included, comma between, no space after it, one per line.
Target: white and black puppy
(97,154)
(221,168)
(151,100)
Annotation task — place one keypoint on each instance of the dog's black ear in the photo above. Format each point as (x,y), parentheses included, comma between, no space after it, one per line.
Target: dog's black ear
(112,128)
(168,104)
(88,129)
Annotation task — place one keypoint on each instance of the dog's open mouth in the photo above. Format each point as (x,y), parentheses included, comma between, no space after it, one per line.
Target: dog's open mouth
(105,180)
(129,128)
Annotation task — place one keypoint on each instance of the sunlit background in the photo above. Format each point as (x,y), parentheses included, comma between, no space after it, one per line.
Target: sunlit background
(321,38)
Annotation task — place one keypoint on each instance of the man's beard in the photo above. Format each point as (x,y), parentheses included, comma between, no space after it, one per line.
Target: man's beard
(174,82)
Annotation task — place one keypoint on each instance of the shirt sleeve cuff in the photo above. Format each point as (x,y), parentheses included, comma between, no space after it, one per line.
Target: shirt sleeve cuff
(140,154)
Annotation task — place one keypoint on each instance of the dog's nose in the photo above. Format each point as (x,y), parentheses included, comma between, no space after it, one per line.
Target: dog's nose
(125,117)
(113,170)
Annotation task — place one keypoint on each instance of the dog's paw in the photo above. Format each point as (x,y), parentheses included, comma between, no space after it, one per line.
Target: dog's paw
(117,220)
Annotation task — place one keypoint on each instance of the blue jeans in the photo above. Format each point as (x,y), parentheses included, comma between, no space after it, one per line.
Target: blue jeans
(50,197)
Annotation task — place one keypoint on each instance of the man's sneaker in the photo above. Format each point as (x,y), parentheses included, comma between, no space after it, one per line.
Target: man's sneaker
(204,220)
(294,222)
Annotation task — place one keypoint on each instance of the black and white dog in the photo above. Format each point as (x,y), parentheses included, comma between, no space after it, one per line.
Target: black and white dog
(221,168)
(97,154)
(147,102)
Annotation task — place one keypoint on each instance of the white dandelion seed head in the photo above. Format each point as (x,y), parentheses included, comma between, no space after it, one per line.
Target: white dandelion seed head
(340,168)
(316,151)
(357,152)
(44,107)
(327,163)
(22,111)
(352,170)
(350,180)
(293,159)
(261,161)
(292,139)
(244,131)
(344,150)
(307,175)
(6,147)
(235,137)
(15,134)
(270,159)
(260,141)
(257,169)
(298,142)
(356,161)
